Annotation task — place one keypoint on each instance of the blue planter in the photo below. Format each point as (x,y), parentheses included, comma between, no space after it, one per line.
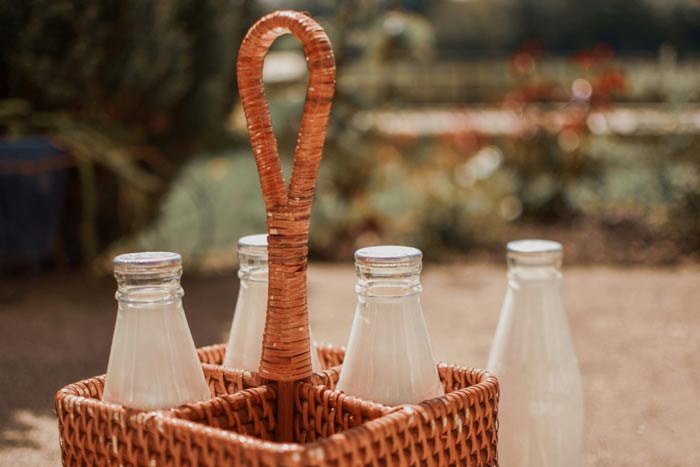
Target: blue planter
(32,187)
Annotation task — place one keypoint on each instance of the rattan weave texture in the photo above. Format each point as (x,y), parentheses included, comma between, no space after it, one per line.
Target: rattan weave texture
(330,428)
(285,355)
(250,413)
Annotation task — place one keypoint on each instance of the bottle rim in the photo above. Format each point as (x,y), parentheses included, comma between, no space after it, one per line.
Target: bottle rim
(253,245)
(388,271)
(388,256)
(146,260)
(148,277)
(534,252)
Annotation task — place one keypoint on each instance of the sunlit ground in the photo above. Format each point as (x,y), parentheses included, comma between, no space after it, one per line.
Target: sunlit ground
(31,439)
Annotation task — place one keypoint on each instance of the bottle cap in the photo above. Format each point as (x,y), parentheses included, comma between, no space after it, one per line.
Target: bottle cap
(534,253)
(389,258)
(147,263)
(253,245)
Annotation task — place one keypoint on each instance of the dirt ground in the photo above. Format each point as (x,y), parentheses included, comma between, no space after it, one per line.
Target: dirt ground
(636,332)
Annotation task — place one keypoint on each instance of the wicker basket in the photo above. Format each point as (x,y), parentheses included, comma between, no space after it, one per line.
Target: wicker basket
(285,415)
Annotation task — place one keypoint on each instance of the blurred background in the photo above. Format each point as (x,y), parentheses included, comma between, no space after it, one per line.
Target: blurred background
(457,125)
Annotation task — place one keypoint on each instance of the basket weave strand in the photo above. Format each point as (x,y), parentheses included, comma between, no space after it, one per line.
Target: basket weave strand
(285,355)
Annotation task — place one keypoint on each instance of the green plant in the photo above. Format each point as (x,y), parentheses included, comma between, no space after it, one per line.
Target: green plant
(165,69)
(130,89)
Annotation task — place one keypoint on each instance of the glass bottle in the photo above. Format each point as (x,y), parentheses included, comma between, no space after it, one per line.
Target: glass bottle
(389,358)
(244,347)
(541,405)
(153,363)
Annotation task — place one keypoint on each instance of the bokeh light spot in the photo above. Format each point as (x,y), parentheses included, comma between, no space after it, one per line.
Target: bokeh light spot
(581,89)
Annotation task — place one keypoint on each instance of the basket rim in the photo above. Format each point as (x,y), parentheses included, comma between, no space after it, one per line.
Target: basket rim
(74,395)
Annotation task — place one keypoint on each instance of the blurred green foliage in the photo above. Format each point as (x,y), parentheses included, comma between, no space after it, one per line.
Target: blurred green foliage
(131,89)
(462,191)
(137,90)
(163,69)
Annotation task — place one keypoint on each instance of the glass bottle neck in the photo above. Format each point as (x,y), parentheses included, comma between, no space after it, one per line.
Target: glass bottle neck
(534,261)
(399,284)
(534,274)
(252,268)
(148,278)
(388,272)
(136,291)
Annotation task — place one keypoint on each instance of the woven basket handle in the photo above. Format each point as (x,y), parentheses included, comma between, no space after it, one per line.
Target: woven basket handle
(286,350)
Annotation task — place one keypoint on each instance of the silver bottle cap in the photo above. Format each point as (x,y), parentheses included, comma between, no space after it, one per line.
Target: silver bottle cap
(534,253)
